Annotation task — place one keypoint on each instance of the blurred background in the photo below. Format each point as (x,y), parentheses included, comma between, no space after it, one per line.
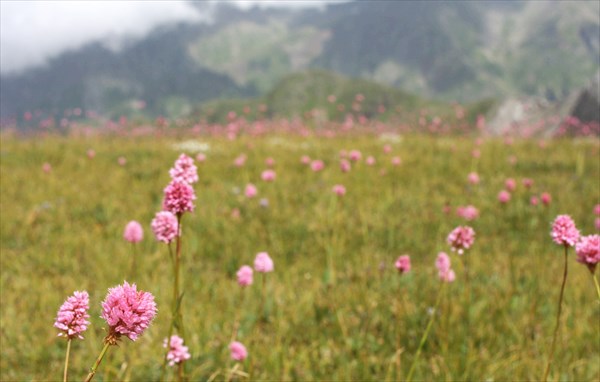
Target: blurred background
(516,62)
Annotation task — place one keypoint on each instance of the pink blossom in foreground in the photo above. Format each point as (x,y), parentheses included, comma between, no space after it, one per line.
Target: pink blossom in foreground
(473,178)
(317,165)
(128,311)
(164,226)
(546,198)
(503,196)
(263,263)
(339,190)
(564,231)
(402,264)
(588,251)
(597,209)
(442,264)
(268,175)
(72,315)
(177,352)
(47,168)
(467,212)
(370,160)
(179,197)
(345,165)
(244,276)
(250,191)
(461,238)
(184,170)
(355,155)
(134,233)
(238,351)
(510,184)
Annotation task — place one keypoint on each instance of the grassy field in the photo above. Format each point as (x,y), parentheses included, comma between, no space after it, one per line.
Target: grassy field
(336,307)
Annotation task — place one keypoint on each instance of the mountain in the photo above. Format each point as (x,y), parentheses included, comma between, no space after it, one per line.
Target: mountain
(447,50)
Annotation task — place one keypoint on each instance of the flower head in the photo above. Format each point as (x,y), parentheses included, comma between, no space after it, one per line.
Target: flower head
(564,231)
(164,226)
(179,197)
(244,276)
(546,198)
(184,170)
(345,166)
(134,233)
(588,251)
(445,272)
(263,263)
(238,351)
(317,165)
(339,190)
(467,212)
(251,190)
(177,352)
(503,196)
(510,184)
(355,155)
(268,175)
(402,264)
(72,315)
(461,238)
(128,311)
(473,178)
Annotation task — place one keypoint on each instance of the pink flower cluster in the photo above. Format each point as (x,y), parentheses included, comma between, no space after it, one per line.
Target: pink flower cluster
(442,264)
(588,251)
(402,264)
(245,276)
(467,212)
(263,263)
(164,226)
(564,231)
(179,197)
(250,191)
(339,190)
(461,238)
(268,175)
(128,311)
(134,233)
(238,351)
(184,170)
(72,315)
(177,352)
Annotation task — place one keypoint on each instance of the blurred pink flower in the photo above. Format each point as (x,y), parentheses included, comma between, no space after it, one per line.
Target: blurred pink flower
(387,149)
(355,155)
(345,166)
(240,160)
(396,161)
(564,231)
(47,168)
(546,198)
(134,233)
(270,162)
(503,196)
(263,263)
(238,351)
(177,352)
(597,224)
(184,170)
(442,264)
(91,153)
(201,157)
(527,182)
(305,159)
(510,184)
(339,190)
(467,212)
(244,276)
(268,175)
(128,311)
(588,251)
(317,165)
(72,315)
(473,178)
(402,264)
(461,238)
(597,209)
(370,160)
(534,201)
(179,197)
(250,191)
(164,226)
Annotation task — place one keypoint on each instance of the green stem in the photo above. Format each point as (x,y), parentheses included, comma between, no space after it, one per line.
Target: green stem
(164,365)
(597,286)
(67,360)
(179,315)
(97,363)
(263,297)
(424,338)
(553,346)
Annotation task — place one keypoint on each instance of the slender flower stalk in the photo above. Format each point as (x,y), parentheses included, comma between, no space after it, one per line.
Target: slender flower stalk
(65,374)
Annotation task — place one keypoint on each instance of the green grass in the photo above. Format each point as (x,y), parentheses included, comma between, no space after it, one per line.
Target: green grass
(337,309)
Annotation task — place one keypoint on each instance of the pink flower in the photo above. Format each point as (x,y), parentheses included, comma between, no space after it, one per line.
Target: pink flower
(305,159)
(184,170)
(164,226)
(503,196)
(244,276)
(240,160)
(527,182)
(461,238)
(270,162)
(250,191)
(448,276)
(177,352)
(476,153)
(370,160)
(442,263)
(396,161)
(510,184)
(546,198)
(317,165)
(473,178)
(387,149)
(268,175)
(72,315)
(47,168)
(238,351)
(597,209)
(134,233)
(355,155)
(588,251)
(91,153)
(128,311)
(534,201)
(122,161)
(263,263)
(402,264)
(564,231)
(339,190)
(179,197)
(467,212)
(201,157)
(345,165)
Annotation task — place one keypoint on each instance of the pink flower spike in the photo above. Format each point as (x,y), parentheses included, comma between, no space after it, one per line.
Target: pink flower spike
(564,231)
(467,212)
(473,178)
(177,352)
(72,315)
(184,170)
(461,238)
(588,251)
(345,165)
(448,276)
(370,161)
(244,276)
(238,351)
(179,197)
(503,196)
(339,190)
(402,264)
(250,191)
(164,226)
(445,272)
(134,233)
(317,165)
(268,175)
(263,263)
(128,311)
(355,155)
(510,184)
(546,198)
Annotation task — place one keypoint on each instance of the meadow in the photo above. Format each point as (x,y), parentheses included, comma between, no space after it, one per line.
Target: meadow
(336,308)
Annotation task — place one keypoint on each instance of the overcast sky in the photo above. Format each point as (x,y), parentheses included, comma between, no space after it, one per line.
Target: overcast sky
(32,31)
